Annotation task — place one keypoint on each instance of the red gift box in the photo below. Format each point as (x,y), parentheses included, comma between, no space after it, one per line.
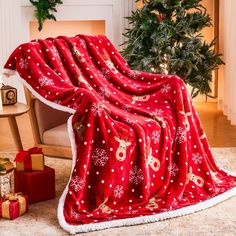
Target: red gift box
(38,185)
(13,206)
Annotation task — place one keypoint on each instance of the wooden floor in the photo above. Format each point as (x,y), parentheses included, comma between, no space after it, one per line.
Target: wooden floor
(218,129)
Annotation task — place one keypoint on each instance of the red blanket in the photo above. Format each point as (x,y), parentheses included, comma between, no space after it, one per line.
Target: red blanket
(139,151)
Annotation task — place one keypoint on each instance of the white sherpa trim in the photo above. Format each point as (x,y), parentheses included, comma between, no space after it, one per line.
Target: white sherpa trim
(8,72)
(5,74)
(73,229)
(38,96)
(229,172)
(140,220)
(60,209)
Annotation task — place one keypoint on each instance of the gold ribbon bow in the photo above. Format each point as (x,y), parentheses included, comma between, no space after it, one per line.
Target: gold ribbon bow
(13,196)
(10,198)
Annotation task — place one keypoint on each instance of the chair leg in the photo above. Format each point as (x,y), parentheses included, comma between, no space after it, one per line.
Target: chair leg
(15,132)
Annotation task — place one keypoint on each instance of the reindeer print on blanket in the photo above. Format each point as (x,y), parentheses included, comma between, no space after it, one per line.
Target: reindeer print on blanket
(121,150)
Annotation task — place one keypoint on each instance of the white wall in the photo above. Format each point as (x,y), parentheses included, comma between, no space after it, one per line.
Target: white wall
(228,48)
(10,37)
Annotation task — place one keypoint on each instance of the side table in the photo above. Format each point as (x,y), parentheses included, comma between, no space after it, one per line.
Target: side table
(10,112)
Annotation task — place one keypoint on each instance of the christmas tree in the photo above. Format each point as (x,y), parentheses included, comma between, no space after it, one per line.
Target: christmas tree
(166,38)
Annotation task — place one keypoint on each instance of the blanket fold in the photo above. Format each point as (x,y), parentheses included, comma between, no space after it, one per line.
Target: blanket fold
(140,153)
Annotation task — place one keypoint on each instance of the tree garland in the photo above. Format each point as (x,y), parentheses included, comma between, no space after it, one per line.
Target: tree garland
(44,9)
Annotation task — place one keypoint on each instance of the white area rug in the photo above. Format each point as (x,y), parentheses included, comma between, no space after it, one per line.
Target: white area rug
(41,219)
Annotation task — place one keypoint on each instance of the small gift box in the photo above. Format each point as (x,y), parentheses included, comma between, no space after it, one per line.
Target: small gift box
(32,159)
(13,206)
(5,166)
(37,185)
(6,177)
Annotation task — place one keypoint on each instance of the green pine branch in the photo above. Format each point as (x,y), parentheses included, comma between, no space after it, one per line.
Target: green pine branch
(169,32)
(44,9)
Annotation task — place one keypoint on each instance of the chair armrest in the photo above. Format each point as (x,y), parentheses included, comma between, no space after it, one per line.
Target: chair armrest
(48,117)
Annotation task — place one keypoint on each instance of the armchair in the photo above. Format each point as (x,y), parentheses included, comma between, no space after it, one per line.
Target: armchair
(49,128)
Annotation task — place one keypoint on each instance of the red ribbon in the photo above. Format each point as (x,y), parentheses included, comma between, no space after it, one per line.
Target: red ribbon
(26,158)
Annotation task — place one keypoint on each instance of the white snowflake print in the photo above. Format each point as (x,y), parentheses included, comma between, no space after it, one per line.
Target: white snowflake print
(104,92)
(54,52)
(118,191)
(137,72)
(181,135)
(197,158)
(106,73)
(99,157)
(34,43)
(74,106)
(125,108)
(129,121)
(76,183)
(135,86)
(136,175)
(155,136)
(23,63)
(44,81)
(82,43)
(158,112)
(165,88)
(133,74)
(173,169)
(74,214)
(96,109)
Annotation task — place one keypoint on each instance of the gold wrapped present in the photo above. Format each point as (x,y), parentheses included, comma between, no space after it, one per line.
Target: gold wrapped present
(32,159)
(5,165)
(6,183)
(13,206)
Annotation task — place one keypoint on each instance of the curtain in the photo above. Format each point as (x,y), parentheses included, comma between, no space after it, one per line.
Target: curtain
(227,81)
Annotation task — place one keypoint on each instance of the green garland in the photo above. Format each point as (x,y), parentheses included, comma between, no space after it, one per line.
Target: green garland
(44,9)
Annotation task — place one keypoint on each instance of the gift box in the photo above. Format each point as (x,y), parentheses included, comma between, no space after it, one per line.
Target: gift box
(32,159)
(5,165)
(37,185)
(6,177)
(6,183)
(13,206)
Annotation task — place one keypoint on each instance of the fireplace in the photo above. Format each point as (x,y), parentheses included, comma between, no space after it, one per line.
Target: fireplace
(111,12)
(68,28)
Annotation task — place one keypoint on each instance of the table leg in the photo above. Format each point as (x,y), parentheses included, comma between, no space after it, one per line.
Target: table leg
(15,132)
